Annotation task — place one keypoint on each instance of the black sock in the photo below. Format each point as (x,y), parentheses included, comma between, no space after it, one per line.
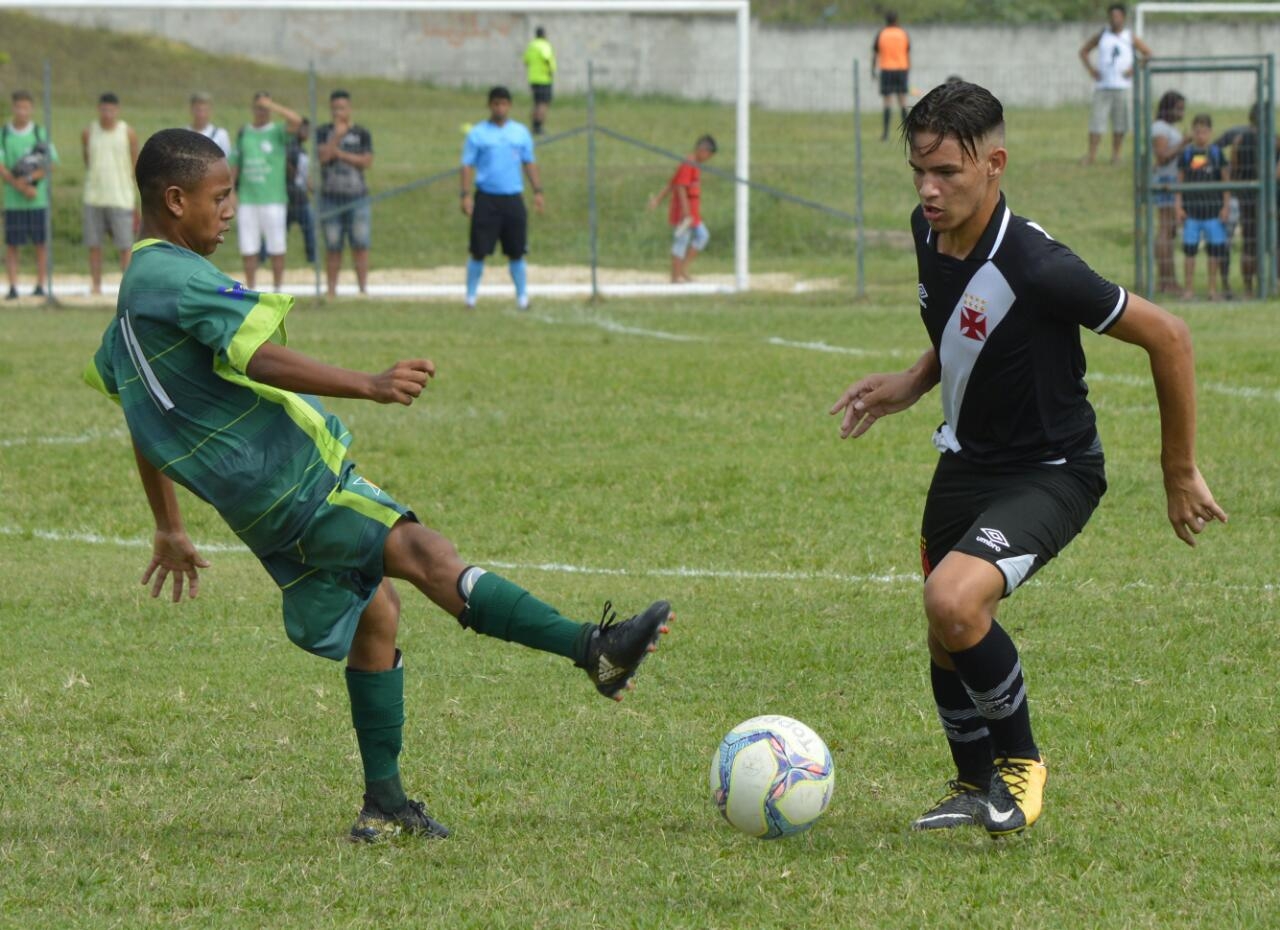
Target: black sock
(967,734)
(992,675)
(885,134)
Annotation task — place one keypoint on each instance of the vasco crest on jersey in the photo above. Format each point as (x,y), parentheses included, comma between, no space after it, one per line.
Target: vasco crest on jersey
(973,317)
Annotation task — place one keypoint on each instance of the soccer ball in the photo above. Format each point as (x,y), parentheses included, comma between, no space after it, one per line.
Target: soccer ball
(772,776)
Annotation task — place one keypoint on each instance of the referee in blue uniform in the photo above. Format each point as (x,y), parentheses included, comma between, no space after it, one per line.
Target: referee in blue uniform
(498,153)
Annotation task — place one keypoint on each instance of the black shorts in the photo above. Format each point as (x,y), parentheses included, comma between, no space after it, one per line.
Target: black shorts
(893,82)
(1016,517)
(498,217)
(541,93)
(24,226)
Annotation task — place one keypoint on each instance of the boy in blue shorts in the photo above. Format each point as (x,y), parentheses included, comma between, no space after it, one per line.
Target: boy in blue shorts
(216,402)
(1203,213)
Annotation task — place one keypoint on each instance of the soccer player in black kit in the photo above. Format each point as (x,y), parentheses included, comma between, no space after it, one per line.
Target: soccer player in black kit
(1021,466)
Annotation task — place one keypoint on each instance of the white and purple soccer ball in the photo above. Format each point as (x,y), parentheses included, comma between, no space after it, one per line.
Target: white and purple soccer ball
(772,776)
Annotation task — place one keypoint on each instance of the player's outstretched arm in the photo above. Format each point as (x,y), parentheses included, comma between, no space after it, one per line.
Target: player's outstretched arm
(1167,341)
(879,395)
(173,553)
(288,370)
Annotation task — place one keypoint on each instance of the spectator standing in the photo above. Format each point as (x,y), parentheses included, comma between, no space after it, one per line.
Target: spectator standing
(891,55)
(494,153)
(110,149)
(1203,213)
(27,153)
(345,150)
(540,62)
(202,122)
(689,233)
(258,170)
(1245,144)
(1113,78)
(297,171)
(1167,143)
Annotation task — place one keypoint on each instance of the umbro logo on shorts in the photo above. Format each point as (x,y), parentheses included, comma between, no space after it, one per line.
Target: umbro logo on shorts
(993,539)
(924,296)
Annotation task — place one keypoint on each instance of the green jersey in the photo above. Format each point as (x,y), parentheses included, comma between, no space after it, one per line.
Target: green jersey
(174,357)
(22,150)
(540,61)
(259,155)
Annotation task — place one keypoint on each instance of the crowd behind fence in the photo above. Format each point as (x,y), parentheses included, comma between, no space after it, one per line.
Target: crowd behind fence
(819,204)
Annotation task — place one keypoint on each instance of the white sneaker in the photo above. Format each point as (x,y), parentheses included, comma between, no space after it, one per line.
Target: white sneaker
(522,303)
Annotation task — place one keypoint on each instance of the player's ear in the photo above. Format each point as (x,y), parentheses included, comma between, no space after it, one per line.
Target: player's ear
(175,200)
(997,158)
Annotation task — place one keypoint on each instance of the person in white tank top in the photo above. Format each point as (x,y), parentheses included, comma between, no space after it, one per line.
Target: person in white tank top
(1113,77)
(110,147)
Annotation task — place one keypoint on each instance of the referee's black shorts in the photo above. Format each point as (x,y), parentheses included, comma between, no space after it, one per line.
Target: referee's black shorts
(1016,517)
(892,82)
(499,217)
(541,93)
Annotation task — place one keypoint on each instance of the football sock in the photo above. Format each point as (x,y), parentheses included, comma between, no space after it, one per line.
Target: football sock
(992,674)
(377,712)
(965,728)
(498,608)
(519,277)
(537,126)
(475,268)
(885,133)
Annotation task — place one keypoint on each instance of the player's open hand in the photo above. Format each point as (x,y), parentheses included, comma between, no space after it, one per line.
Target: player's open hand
(871,398)
(403,381)
(1191,505)
(174,555)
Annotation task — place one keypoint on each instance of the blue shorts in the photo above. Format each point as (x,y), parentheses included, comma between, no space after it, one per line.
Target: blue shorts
(1215,235)
(328,575)
(354,223)
(697,236)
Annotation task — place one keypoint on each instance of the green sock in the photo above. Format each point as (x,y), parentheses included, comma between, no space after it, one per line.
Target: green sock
(498,608)
(377,712)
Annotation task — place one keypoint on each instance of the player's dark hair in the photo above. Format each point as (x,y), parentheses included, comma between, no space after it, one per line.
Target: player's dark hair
(499,93)
(339,94)
(259,94)
(1170,100)
(708,142)
(1117,7)
(22,95)
(965,112)
(173,158)
(540,33)
(891,18)
(109,97)
(1202,119)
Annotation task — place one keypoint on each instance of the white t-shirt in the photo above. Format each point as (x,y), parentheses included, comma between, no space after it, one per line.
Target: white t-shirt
(1115,58)
(1162,129)
(217,134)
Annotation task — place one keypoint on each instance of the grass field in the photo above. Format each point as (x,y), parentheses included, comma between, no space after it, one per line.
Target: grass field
(187,767)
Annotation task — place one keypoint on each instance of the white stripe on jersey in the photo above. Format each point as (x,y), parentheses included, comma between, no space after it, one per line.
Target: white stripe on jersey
(1120,302)
(957,352)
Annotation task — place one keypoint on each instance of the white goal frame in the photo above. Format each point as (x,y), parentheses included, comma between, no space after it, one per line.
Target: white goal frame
(1209,6)
(739,9)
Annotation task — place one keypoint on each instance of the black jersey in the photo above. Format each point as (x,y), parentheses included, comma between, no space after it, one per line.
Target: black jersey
(1005,323)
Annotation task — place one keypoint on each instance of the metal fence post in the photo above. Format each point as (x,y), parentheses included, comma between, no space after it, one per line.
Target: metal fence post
(859,228)
(48,184)
(313,171)
(593,217)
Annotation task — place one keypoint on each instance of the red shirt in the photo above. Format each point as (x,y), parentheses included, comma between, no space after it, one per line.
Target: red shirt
(688,176)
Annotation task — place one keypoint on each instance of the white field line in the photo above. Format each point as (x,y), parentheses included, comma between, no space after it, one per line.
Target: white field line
(830,349)
(560,568)
(85,437)
(1208,387)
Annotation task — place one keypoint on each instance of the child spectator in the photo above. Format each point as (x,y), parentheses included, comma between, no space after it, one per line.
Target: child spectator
(1203,213)
(690,235)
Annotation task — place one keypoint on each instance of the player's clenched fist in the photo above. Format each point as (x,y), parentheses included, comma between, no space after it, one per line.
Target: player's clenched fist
(403,381)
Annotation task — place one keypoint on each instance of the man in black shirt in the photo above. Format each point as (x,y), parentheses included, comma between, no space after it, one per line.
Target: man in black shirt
(1021,465)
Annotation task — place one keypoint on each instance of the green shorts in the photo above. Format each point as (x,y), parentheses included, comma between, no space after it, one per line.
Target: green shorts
(329,574)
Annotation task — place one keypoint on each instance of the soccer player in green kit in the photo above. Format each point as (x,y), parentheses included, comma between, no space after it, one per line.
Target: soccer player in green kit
(215,402)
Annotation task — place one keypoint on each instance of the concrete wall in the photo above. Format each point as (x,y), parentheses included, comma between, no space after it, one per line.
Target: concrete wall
(689,56)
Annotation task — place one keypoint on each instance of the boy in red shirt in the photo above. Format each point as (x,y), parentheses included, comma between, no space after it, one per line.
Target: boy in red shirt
(685,187)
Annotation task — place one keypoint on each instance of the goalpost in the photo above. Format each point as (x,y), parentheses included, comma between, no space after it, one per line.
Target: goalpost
(739,9)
